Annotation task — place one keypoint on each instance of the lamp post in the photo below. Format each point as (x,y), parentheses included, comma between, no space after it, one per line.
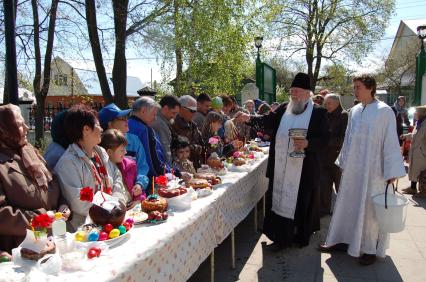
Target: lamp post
(258,43)
(420,66)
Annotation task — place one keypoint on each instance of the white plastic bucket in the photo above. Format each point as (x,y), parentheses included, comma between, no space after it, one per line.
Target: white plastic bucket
(391,211)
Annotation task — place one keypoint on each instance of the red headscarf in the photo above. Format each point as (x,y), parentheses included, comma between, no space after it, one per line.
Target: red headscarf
(10,139)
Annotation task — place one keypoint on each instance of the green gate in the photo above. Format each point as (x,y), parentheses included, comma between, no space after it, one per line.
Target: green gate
(266,81)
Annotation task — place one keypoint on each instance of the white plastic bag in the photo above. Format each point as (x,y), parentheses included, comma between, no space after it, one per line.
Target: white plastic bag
(181,202)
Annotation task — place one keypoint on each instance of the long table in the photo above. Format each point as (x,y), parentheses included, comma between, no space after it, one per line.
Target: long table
(173,251)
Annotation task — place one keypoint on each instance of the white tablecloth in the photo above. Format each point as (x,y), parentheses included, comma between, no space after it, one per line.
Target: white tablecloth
(173,251)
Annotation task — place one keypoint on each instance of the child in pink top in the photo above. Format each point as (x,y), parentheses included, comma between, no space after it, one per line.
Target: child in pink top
(115,144)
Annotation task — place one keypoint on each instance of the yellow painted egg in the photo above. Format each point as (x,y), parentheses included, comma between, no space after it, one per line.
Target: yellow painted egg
(114,233)
(80,236)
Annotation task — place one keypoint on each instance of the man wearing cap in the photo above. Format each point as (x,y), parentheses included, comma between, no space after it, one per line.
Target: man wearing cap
(112,116)
(184,126)
(217,105)
(293,193)
(170,107)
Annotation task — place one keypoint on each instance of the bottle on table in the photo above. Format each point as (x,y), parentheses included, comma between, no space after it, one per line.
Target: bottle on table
(59,231)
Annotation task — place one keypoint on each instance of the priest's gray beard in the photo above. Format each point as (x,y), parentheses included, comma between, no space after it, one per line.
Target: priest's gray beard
(296,107)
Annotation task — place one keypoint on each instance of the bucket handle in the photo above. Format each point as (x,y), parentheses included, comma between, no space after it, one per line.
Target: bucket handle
(386,194)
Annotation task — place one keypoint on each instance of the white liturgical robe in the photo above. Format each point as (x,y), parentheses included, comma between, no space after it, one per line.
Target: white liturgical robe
(288,170)
(370,155)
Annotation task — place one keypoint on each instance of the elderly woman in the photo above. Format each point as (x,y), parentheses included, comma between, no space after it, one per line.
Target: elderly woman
(85,164)
(27,187)
(249,106)
(417,154)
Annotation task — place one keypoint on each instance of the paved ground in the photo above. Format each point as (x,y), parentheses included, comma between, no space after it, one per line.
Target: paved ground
(406,260)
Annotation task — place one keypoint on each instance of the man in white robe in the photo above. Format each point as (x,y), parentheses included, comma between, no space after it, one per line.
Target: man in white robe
(369,159)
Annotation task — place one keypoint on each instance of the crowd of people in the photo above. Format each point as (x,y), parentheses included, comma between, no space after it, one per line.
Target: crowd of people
(119,151)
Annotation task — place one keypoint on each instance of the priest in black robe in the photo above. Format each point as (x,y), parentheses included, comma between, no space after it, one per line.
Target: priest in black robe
(292,199)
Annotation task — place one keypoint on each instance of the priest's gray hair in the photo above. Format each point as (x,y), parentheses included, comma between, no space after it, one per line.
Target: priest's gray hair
(144,102)
(333,96)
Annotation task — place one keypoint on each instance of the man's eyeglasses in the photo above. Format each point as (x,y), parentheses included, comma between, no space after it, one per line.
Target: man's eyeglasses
(191,110)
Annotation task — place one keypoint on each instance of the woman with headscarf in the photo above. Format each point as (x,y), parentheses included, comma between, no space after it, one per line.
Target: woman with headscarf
(85,164)
(27,188)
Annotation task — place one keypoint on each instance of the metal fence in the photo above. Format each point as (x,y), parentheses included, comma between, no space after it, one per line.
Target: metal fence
(50,112)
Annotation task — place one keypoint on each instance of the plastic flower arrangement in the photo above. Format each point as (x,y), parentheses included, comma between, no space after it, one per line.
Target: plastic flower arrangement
(40,223)
(161,180)
(86,194)
(214,141)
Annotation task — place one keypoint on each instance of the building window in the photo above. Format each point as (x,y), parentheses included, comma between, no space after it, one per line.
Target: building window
(60,79)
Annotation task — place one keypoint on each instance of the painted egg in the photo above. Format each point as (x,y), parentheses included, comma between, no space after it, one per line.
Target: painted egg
(80,236)
(122,229)
(114,233)
(130,220)
(103,236)
(127,225)
(93,236)
(107,228)
(92,254)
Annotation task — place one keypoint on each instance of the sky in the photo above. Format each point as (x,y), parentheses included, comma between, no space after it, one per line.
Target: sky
(408,9)
(404,10)
(143,66)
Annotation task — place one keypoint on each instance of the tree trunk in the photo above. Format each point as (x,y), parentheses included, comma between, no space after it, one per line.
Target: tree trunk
(39,119)
(41,91)
(310,62)
(119,71)
(96,50)
(310,43)
(39,115)
(10,90)
(178,50)
(317,68)
(192,48)
(6,95)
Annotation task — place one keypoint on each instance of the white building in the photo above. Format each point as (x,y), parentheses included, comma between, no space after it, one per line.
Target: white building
(404,48)
(24,95)
(69,81)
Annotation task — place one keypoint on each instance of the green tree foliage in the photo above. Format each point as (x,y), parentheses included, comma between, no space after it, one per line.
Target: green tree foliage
(337,79)
(328,29)
(399,72)
(209,41)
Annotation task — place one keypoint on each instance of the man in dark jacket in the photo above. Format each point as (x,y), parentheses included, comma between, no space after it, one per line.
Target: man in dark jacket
(337,120)
(293,193)
(170,107)
(184,126)
(144,113)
